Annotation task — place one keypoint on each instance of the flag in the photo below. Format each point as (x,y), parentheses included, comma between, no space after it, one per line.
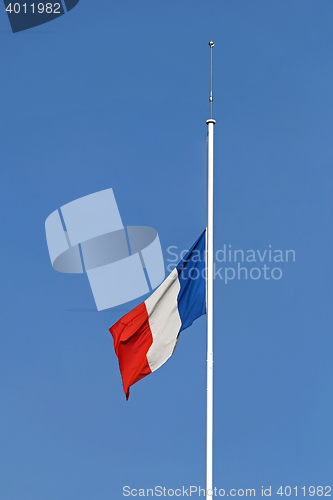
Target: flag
(147,336)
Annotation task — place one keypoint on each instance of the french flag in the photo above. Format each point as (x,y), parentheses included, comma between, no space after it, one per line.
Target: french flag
(147,336)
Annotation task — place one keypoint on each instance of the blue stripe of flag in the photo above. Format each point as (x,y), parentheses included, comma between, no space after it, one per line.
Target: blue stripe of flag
(191,274)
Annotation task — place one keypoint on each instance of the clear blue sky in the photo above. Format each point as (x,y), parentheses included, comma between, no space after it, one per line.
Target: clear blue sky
(115,94)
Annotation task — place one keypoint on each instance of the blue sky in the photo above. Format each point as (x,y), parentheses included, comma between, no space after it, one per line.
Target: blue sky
(116,95)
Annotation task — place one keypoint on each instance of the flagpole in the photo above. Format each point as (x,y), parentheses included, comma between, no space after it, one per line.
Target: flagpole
(209,283)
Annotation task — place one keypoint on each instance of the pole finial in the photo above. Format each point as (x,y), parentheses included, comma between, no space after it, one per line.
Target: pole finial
(211,44)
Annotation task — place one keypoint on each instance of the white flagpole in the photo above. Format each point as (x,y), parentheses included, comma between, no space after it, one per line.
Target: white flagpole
(209,283)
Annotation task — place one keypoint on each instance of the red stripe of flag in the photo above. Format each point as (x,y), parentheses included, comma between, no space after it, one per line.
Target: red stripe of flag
(132,339)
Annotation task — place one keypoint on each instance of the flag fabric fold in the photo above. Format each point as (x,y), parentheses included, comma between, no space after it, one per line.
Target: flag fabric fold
(145,338)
